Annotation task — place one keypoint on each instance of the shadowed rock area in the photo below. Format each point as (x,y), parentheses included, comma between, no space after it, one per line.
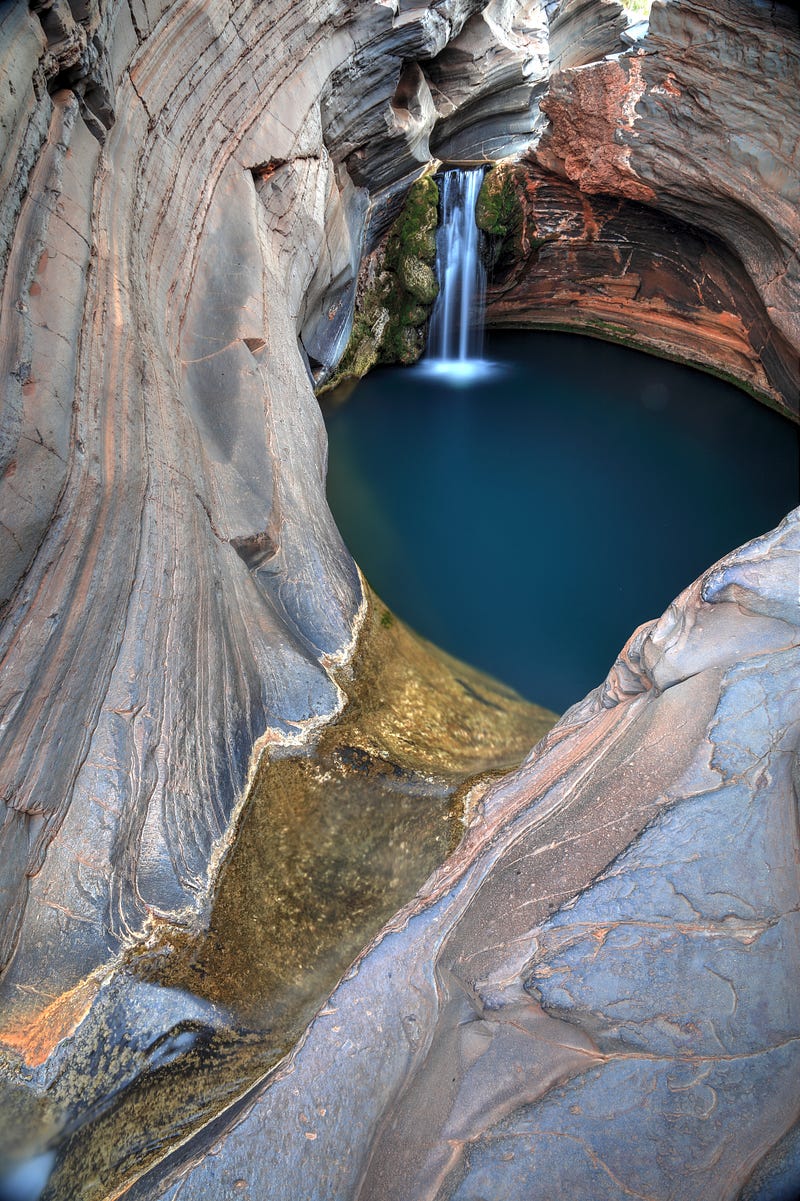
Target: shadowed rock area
(700,121)
(623,271)
(203,710)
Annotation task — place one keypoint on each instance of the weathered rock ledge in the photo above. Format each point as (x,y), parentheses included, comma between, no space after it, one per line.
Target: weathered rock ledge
(622,270)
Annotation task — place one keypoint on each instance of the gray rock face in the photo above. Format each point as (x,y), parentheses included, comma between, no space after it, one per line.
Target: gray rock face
(582,32)
(595,997)
(174,586)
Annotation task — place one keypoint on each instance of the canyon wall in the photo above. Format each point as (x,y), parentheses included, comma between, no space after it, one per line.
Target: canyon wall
(187,192)
(184,196)
(661,205)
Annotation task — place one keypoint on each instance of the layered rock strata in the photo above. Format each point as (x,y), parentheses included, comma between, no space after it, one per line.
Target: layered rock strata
(336,836)
(181,224)
(185,192)
(595,996)
(175,592)
(701,122)
(621,270)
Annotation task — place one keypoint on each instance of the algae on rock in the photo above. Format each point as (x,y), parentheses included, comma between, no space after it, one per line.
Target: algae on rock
(396,290)
(499,212)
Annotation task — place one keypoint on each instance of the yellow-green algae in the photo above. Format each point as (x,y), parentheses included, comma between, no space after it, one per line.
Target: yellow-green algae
(331,843)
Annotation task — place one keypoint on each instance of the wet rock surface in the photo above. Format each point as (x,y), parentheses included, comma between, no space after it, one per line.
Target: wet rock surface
(185,193)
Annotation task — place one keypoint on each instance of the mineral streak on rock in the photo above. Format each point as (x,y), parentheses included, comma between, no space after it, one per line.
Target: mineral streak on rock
(594,997)
(702,122)
(624,271)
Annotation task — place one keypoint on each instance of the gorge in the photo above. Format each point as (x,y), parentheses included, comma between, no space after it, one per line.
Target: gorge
(623,473)
(291,903)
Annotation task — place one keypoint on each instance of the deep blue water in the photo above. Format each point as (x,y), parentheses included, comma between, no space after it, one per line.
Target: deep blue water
(529,522)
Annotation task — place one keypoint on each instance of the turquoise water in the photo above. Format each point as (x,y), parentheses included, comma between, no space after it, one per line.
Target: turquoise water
(528,522)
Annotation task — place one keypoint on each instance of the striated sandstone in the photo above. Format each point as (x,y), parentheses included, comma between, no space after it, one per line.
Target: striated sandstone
(174,588)
(187,192)
(582,32)
(702,122)
(181,224)
(622,270)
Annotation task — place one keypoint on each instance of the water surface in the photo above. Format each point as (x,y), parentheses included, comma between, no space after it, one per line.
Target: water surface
(529,520)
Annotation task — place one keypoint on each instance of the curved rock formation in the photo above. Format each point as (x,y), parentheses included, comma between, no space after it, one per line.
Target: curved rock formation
(622,270)
(701,122)
(182,213)
(187,192)
(174,590)
(595,996)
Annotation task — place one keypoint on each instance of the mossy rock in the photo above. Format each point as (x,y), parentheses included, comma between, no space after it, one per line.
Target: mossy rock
(361,358)
(410,344)
(414,313)
(499,212)
(418,279)
(414,231)
(386,287)
(422,244)
(388,326)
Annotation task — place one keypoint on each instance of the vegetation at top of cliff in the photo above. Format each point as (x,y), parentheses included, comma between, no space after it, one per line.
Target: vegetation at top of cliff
(499,212)
(639,8)
(396,290)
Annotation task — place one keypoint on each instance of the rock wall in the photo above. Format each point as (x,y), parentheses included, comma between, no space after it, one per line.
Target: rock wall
(700,122)
(185,192)
(622,270)
(172,588)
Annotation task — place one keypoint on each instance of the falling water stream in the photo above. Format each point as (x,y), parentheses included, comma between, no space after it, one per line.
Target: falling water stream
(455,339)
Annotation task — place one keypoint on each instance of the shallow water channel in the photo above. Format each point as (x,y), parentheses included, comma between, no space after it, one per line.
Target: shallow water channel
(530,519)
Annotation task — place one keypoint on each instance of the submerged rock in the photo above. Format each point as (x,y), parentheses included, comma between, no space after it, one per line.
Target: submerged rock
(594,996)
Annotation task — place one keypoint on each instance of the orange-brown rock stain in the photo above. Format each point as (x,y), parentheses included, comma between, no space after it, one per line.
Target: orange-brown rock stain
(619,270)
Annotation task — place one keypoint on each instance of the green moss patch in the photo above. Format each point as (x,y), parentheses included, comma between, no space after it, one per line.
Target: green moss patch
(396,291)
(499,212)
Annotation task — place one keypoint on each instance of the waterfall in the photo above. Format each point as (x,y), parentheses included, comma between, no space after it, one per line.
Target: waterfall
(455,338)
